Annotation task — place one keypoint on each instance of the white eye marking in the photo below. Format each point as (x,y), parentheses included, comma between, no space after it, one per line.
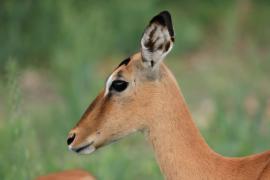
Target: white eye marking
(108,84)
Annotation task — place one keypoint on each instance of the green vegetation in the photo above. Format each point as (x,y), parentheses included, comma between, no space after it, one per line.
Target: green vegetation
(55,56)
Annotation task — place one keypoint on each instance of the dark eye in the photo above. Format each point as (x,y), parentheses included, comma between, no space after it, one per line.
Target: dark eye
(119,85)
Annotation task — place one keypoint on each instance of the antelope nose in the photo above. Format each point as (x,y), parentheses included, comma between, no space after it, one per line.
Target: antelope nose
(71,138)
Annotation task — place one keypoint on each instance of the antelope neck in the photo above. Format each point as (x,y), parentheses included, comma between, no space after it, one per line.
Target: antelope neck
(182,153)
(180,149)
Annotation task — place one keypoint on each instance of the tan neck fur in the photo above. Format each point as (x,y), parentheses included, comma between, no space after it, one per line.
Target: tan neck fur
(181,151)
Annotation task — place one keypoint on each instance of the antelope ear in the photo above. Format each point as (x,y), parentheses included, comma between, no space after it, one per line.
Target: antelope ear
(157,40)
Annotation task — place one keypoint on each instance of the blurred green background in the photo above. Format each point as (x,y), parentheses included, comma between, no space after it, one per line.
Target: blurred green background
(56,55)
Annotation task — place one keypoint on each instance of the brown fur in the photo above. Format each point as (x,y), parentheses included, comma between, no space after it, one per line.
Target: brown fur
(158,108)
(76,174)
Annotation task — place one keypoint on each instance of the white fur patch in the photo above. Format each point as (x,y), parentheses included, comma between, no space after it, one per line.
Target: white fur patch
(88,150)
(108,84)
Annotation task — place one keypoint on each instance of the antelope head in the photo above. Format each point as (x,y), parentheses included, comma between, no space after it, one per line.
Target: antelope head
(133,96)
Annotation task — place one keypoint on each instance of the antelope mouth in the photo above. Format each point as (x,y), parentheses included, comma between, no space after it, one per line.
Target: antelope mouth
(85,149)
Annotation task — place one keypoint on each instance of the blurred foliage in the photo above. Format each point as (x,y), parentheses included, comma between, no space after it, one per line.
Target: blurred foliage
(55,56)
(33,30)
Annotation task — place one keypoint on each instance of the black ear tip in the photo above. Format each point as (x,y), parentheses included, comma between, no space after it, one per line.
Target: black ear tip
(164,19)
(165,13)
(161,18)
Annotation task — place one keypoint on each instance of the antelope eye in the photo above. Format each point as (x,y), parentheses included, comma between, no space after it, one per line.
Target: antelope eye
(119,85)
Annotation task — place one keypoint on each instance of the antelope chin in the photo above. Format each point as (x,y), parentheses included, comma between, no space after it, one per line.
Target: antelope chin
(86,149)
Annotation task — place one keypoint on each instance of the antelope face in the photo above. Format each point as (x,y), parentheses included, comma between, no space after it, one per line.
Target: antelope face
(131,92)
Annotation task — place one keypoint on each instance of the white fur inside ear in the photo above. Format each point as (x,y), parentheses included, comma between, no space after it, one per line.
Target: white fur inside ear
(156,43)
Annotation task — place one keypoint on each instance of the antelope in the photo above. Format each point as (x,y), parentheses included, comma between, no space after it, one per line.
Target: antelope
(142,95)
(75,174)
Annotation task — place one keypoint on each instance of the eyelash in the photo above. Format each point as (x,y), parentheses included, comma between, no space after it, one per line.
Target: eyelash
(118,85)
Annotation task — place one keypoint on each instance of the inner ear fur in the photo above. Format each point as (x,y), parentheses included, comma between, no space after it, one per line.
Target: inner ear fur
(157,40)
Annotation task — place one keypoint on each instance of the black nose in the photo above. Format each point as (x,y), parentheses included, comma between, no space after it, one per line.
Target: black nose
(71,139)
